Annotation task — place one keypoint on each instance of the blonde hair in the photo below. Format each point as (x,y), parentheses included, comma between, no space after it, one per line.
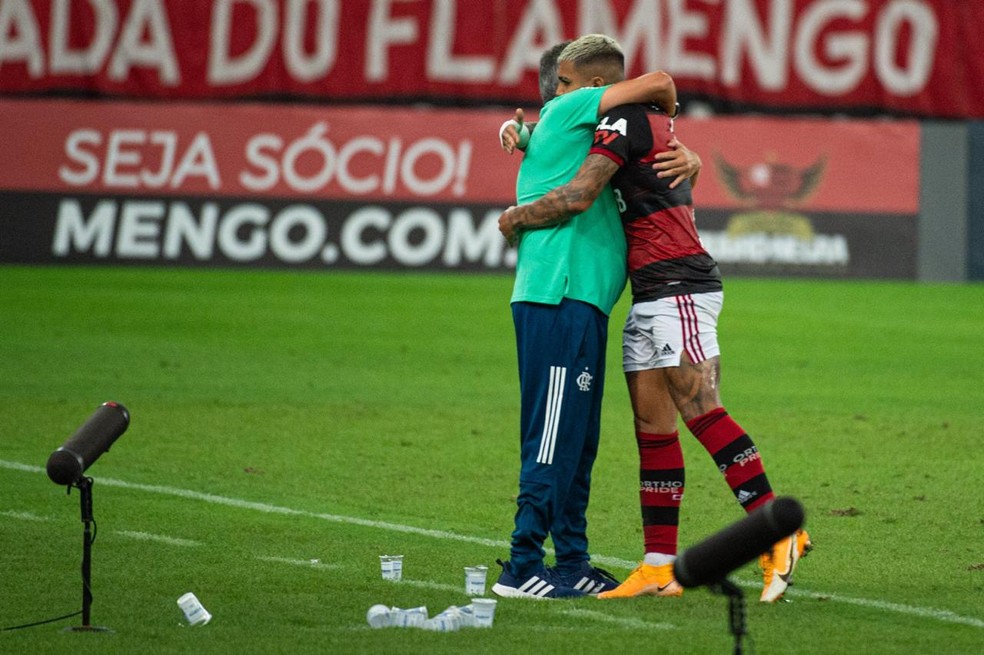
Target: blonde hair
(596,55)
(596,51)
(585,49)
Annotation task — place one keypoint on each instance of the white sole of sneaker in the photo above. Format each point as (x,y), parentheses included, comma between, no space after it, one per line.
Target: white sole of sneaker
(512,592)
(536,589)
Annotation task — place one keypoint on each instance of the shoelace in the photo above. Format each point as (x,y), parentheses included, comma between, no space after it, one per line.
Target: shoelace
(606,574)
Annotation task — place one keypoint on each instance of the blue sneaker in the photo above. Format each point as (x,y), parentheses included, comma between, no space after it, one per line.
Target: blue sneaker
(543,583)
(589,579)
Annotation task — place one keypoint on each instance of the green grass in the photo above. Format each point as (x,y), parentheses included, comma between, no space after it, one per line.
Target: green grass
(279,418)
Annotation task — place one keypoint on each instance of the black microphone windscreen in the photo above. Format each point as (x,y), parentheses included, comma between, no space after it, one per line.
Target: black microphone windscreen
(64,467)
(67,464)
(711,560)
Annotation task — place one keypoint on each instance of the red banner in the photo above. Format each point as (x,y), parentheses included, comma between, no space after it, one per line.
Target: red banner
(284,151)
(359,186)
(375,153)
(906,57)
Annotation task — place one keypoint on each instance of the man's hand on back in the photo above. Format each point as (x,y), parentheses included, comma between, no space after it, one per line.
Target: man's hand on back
(679,163)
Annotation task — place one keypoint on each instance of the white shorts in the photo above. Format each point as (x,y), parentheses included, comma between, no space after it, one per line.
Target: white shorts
(657,332)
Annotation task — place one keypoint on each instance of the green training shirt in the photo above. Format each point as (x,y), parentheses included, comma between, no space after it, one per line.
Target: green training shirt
(584,258)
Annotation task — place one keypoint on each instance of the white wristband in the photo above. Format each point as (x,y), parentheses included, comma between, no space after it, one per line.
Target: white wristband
(524,132)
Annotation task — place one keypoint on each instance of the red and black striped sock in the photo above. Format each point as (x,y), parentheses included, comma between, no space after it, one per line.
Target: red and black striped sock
(735,455)
(661,477)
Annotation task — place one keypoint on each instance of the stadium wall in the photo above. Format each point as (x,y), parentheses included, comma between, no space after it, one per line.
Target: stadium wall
(344,187)
(943,217)
(174,150)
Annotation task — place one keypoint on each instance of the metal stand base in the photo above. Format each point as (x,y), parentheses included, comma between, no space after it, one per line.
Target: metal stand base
(84,485)
(87,628)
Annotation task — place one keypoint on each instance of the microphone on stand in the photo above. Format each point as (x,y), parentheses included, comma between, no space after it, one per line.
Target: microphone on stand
(67,464)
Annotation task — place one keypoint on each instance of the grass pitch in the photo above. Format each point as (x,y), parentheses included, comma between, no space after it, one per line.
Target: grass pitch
(288,428)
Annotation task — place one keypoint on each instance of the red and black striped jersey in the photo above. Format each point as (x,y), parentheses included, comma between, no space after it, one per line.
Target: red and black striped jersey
(665,255)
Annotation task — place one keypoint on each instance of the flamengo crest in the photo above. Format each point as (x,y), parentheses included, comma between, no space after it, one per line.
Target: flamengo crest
(584,381)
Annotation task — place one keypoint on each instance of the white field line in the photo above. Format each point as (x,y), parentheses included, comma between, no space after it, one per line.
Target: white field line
(427,584)
(25,516)
(307,563)
(943,616)
(624,621)
(157,538)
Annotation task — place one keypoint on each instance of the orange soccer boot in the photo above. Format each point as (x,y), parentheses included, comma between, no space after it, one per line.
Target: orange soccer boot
(647,580)
(779,563)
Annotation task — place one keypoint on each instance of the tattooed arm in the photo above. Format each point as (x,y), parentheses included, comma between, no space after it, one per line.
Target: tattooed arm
(560,204)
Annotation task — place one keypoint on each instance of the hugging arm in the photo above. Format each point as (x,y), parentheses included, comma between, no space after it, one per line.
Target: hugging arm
(560,204)
(652,89)
(679,163)
(509,136)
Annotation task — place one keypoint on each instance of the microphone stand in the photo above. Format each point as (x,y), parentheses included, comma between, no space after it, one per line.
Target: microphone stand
(84,485)
(736,610)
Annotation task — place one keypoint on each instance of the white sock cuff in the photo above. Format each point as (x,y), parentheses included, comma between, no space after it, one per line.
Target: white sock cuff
(658,559)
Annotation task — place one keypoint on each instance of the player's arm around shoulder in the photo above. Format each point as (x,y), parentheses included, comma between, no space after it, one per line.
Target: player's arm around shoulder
(655,88)
(562,203)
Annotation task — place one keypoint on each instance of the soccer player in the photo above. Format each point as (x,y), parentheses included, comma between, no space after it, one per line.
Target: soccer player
(567,280)
(671,356)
